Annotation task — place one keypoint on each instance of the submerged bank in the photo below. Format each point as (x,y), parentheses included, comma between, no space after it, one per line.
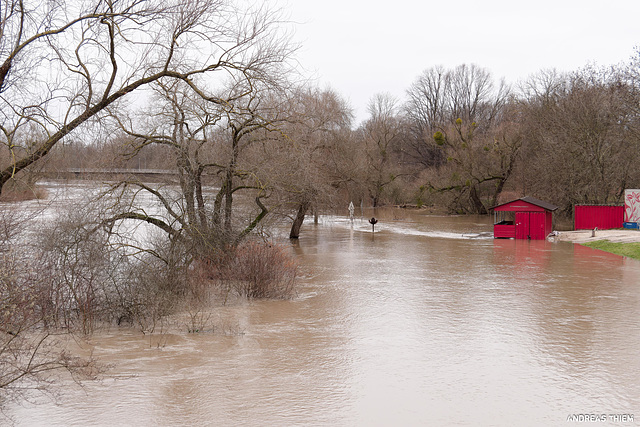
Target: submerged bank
(587,236)
(619,242)
(631,250)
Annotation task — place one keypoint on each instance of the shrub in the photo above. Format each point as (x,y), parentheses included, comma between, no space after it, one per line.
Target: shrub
(17,191)
(29,350)
(255,270)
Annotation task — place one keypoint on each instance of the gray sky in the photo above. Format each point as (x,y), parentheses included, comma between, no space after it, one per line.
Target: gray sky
(364,47)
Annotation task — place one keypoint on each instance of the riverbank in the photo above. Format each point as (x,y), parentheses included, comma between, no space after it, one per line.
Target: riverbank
(614,236)
(630,250)
(620,242)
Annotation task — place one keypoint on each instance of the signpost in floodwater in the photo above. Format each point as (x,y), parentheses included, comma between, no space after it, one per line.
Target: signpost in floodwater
(373,223)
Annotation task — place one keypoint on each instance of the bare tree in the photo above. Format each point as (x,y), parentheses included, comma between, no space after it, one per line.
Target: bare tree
(210,144)
(381,135)
(66,67)
(301,174)
(426,110)
(62,65)
(463,117)
(582,139)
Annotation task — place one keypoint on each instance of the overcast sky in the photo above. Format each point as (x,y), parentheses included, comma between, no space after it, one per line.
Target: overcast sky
(363,47)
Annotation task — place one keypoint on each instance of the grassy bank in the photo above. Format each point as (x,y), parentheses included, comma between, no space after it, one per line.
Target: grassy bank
(631,250)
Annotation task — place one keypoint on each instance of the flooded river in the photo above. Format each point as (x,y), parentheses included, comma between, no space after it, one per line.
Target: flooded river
(429,322)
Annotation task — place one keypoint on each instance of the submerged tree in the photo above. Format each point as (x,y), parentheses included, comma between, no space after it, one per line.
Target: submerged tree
(209,143)
(301,174)
(30,352)
(67,67)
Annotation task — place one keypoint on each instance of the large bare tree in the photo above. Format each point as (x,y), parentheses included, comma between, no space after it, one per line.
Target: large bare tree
(71,68)
(301,171)
(63,63)
(464,120)
(209,144)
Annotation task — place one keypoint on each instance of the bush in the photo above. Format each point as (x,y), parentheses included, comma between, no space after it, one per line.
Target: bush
(148,291)
(255,270)
(17,191)
(29,350)
(75,267)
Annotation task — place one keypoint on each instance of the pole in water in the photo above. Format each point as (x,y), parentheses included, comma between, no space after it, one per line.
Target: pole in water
(373,223)
(351,210)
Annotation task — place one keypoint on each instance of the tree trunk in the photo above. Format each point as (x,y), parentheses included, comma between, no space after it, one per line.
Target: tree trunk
(477,203)
(297,223)
(228,202)
(498,191)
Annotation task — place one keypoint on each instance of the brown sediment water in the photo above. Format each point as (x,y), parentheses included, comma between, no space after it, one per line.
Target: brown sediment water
(428,322)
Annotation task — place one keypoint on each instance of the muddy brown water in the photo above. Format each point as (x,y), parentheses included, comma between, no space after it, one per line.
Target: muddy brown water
(428,322)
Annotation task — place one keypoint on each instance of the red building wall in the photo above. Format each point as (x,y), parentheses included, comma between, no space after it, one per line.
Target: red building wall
(533,225)
(519,206)
(588,217)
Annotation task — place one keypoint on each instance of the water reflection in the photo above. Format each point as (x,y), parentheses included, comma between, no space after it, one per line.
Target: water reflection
(429,322)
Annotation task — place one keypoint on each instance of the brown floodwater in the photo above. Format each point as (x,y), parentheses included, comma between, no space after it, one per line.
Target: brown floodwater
(428,322)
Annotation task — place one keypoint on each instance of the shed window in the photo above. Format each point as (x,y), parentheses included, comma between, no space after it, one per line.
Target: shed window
(504,218)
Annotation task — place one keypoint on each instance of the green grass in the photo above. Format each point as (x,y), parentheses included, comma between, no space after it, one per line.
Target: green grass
(631,250)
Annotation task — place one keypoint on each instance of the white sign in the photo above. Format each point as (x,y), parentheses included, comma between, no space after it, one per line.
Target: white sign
(631,205)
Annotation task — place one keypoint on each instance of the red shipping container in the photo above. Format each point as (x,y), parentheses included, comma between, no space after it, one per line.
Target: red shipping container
(588,217)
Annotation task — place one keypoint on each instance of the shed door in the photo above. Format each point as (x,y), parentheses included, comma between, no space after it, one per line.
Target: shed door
(536,226)
(522,225)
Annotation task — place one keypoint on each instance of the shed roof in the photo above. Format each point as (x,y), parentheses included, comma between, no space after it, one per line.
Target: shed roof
(533,201)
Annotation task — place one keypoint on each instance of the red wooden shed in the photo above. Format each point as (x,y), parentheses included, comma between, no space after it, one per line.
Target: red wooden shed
(524,218)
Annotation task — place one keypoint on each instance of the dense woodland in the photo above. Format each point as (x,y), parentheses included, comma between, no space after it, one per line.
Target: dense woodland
(460,141)
(209,90)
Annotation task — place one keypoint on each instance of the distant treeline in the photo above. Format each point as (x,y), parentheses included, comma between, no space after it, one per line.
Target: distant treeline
(459,141)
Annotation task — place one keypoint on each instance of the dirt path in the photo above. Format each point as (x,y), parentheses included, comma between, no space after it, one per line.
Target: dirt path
(584,236)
